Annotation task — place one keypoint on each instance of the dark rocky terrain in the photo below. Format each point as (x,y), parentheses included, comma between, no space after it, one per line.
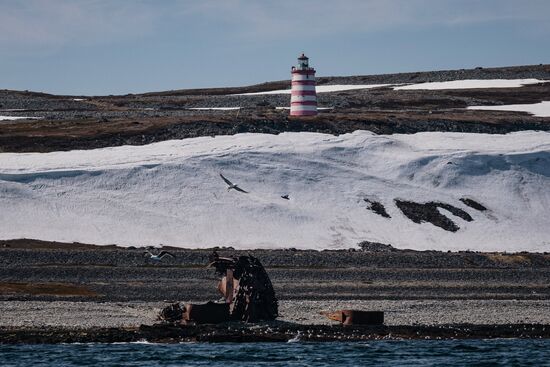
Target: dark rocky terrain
(37,270)
(64,293)
(101,121)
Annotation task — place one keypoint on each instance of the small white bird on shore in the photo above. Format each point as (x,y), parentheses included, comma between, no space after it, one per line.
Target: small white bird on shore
(159,256)
(232,185)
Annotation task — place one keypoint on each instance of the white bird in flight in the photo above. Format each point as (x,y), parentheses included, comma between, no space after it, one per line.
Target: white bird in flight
(159,256)
(232,185)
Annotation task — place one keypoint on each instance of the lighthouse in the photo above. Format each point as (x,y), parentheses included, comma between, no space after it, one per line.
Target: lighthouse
(303,100)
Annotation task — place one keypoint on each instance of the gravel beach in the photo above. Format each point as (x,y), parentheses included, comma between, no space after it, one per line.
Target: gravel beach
(78,315)
(81,286)
(88,122)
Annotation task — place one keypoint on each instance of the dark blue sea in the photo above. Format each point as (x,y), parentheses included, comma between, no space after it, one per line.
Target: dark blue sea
(376,353)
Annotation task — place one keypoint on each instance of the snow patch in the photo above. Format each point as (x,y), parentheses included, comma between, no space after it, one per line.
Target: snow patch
(12,118)
(541,109)
(454,84)
(215,108)
(471,84)
(171,193)
(322,89)
(318,108)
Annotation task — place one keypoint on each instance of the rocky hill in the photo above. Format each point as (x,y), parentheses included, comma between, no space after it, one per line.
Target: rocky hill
(86,122)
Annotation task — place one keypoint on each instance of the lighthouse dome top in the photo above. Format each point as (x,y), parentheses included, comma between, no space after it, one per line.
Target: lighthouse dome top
(303,63)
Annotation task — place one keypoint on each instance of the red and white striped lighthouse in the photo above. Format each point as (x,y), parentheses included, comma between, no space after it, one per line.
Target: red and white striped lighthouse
(303,100)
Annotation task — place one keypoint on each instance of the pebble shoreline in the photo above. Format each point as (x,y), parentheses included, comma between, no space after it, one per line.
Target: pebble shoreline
(81,315)
(55,292)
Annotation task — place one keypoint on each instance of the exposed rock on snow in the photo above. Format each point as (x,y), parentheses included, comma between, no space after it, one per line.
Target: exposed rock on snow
(377,207)
(428,212)
(473,204)
(170,192)
(368,246)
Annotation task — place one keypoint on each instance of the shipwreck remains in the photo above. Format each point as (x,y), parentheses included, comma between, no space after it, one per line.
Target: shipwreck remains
(356,317)
(248,295)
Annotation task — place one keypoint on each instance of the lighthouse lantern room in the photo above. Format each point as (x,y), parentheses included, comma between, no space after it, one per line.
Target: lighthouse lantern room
(303,100)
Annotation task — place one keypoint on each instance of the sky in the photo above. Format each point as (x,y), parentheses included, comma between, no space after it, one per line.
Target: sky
(100,47)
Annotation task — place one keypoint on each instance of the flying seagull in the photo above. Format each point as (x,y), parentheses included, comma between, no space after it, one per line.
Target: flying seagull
(286,197)
(232,185)
(159,256)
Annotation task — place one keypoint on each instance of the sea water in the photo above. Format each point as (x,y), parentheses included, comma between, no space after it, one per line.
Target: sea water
(509,352)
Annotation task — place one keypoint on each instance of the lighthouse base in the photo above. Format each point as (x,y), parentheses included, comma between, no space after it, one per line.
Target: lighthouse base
(303,113)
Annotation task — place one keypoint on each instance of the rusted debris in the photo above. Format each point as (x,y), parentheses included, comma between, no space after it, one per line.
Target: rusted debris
(208,313)
(172,313)
(355,317)
(247,288)
(248,295)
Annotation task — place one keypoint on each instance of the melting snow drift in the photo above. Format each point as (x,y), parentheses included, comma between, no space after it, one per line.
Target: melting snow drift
(214,108)
(541,109)
(171,192)
(454,84)
(471,84)
(323,89)
(12,118)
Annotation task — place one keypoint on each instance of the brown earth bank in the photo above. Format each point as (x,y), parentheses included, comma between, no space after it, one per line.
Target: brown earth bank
(136,119)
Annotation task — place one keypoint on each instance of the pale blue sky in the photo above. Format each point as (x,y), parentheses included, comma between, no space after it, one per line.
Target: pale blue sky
(117,47)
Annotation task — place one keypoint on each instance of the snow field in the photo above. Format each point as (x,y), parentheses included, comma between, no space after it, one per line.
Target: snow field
(171,193)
